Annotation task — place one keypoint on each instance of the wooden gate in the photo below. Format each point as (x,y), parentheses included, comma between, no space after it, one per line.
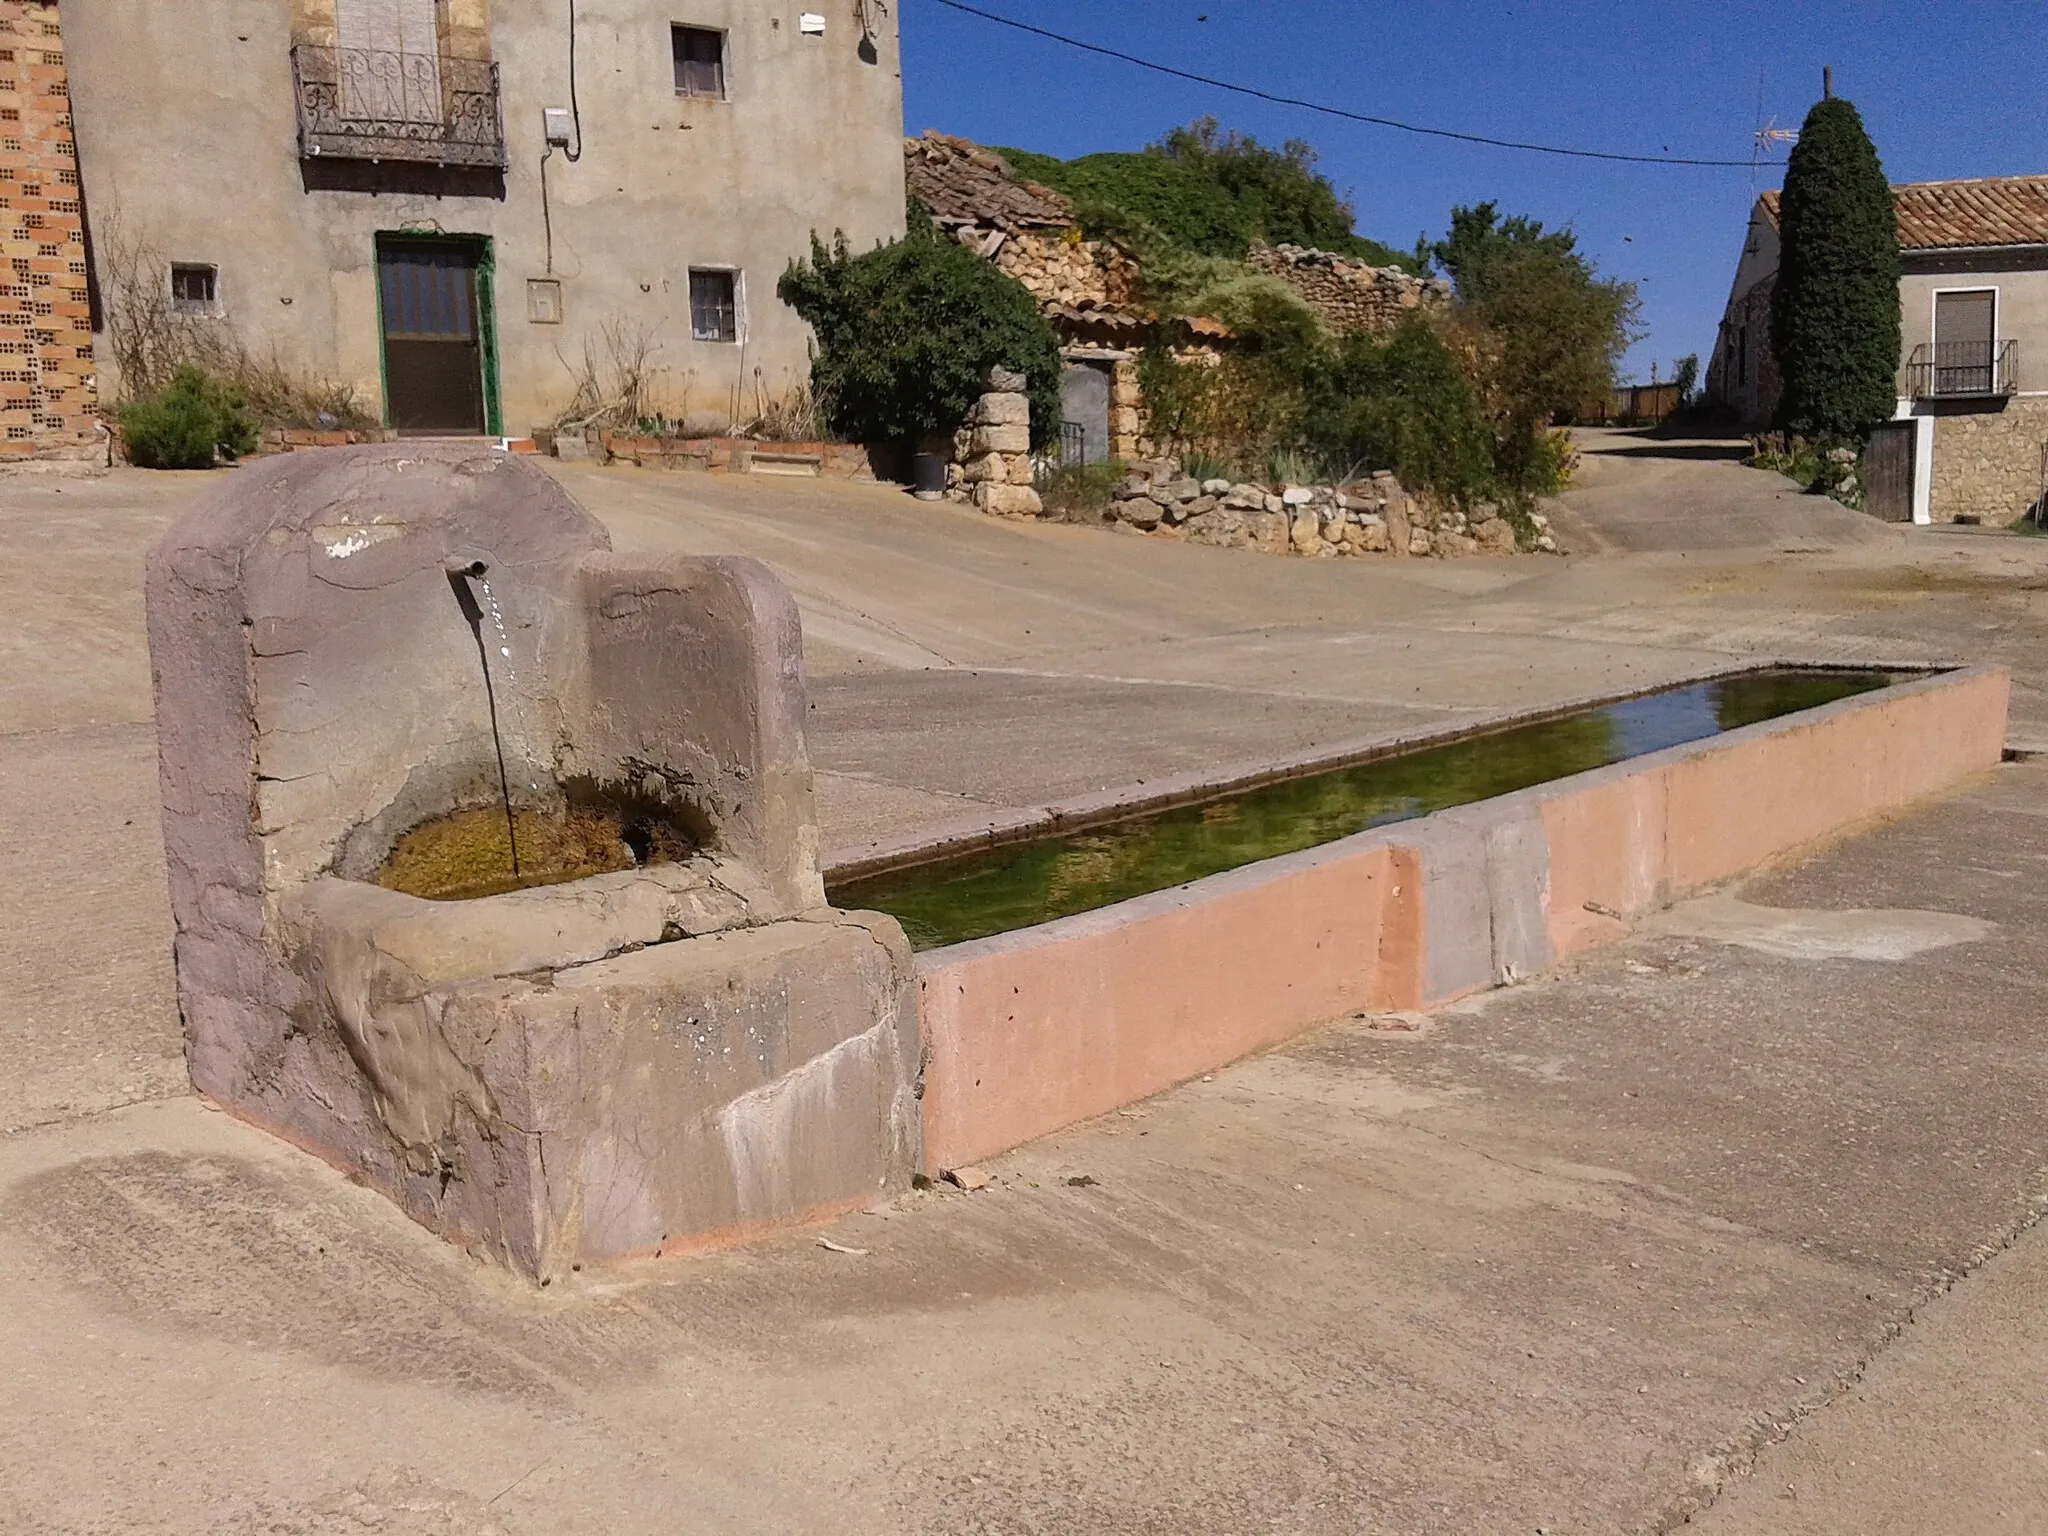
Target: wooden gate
(1888,472)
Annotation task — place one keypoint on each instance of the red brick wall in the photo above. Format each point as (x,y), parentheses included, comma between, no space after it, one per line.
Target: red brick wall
(48,396)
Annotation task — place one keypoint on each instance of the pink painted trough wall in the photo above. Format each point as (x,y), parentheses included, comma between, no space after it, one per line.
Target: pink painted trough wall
(1639,834)
(1031,1031)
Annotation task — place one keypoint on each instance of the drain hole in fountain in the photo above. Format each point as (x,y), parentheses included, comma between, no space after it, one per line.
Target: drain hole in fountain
(466,854)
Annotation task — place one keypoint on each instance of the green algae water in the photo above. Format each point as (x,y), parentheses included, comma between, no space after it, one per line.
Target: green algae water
(995,890)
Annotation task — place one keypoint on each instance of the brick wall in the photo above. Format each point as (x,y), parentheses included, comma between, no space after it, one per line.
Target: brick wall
(1987,464)
(48,394)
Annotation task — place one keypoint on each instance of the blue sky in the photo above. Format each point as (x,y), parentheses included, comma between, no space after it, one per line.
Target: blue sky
(1948,88)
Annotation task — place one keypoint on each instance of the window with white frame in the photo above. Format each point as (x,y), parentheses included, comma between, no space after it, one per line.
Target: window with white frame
(714,304)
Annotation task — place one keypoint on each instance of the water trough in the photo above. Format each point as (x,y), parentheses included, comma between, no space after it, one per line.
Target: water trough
(1032,1029)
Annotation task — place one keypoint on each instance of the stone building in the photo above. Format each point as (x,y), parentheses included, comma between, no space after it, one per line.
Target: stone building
(48,396)
(445,204)
(1086,288)
(1089,289)
(1970,438)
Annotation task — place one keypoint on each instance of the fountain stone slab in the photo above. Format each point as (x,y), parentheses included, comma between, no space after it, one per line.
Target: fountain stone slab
(350,644)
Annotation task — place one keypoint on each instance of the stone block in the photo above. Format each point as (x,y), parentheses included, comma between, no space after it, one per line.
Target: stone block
(1008,500)
(1001,411)
(1297,496)
(988,466)
(1270,532)
(1496,536)
(1020,469)
(1012,438)
(1005,381)
(1141,512)
(1306,532)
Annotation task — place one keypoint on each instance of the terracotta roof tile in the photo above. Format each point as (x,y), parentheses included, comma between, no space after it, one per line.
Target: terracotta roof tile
(962,183)
(1944,215)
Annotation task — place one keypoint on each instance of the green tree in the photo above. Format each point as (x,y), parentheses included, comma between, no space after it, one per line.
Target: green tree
(907,332)
(1549,329)
(1835,310)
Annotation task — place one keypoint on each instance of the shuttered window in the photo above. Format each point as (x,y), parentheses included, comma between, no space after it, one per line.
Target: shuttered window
(700,61)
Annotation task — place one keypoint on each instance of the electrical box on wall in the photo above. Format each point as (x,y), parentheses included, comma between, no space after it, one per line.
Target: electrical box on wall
(544,300)
(811,24)
(556,126)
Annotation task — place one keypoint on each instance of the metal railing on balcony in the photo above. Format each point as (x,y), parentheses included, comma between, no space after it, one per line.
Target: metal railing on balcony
(1958,370)
(421,108)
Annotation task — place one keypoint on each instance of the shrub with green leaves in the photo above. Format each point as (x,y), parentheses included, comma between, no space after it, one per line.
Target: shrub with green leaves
(191,422)
(1401,404)
(1210,192)
(908,331)
(1835,309)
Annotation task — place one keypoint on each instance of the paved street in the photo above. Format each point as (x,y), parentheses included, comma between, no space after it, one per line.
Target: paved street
(1713,1208)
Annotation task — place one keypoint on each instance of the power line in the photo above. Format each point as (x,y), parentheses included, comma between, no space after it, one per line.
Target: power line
(1326,110)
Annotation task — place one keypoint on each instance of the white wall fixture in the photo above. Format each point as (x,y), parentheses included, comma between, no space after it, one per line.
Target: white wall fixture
(811,24)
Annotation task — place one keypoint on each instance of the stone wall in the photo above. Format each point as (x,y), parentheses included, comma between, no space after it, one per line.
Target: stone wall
(992,453)
(49,399)
(1350,295)
(1060,268)
(1987,465)
(1366,517)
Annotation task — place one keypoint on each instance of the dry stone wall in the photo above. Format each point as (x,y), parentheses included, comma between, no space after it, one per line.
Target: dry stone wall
(1377,516)
(1350,295)
(1060,268)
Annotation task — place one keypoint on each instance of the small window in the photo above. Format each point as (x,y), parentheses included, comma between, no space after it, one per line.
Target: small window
(700,61)
(714,306)
(194,288)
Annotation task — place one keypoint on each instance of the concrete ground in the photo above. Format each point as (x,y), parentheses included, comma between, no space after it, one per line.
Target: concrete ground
(1754,1190)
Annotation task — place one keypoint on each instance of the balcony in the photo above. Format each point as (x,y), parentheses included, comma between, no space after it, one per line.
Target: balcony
(416,108)
(1961,370)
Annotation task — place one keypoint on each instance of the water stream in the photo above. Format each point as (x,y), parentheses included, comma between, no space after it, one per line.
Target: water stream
(996,890)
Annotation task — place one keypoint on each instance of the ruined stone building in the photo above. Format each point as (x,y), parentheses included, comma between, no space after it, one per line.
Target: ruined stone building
(444,204)
(1970,438)
(1090,289)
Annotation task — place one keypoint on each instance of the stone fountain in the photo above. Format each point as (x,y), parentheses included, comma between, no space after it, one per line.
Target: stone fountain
(494,864)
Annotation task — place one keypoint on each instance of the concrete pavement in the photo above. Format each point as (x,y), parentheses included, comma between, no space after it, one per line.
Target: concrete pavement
(1570,1258)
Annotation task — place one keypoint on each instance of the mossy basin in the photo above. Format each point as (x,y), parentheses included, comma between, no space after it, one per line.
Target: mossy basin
(468,853)
(1018,885)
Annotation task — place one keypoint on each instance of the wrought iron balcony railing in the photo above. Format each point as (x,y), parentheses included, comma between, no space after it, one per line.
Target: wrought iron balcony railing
(421,108)
(1955,370)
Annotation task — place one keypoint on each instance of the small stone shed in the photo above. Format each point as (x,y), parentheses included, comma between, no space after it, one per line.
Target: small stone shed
(1089,289)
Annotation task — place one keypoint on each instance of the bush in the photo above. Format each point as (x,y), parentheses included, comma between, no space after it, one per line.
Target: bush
(908,331)
(190,422)
(1835,310)
(1080,493)
(1211,193)
(1402,404)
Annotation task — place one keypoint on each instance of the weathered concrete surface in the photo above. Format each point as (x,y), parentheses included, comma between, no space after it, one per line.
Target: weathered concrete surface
(205,1332)
(1560,1260)
(347,645)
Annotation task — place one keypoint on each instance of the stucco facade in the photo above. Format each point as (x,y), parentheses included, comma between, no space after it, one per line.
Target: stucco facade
(189,122)
(1980,423)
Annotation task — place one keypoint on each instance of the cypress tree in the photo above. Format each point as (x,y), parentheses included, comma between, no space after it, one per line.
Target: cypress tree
(1835,311)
